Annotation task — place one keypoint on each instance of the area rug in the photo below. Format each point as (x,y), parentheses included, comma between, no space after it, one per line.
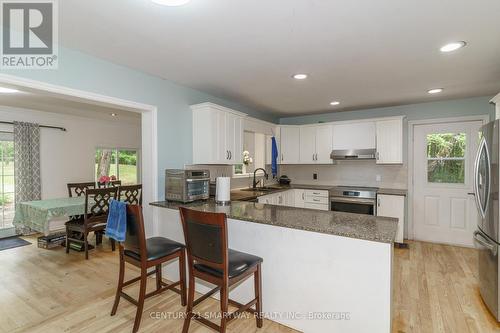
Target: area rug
(12,242)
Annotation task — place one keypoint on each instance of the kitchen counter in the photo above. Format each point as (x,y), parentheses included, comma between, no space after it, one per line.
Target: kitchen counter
(392,191)
(342,257)
(366,227)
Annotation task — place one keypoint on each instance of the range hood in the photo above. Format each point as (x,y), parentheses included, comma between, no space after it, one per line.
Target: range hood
(353,154)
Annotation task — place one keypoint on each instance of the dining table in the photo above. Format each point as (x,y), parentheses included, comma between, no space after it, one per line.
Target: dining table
(48,216)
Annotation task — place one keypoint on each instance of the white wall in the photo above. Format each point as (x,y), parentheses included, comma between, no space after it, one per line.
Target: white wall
(69,156)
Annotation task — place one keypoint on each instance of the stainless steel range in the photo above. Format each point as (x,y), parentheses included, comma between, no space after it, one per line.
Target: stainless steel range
(351,199)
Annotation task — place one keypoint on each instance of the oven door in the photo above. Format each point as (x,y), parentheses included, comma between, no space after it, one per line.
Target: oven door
(197,189)
(353,205)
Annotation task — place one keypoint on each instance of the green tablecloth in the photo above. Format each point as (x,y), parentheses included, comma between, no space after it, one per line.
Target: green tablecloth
(36,215)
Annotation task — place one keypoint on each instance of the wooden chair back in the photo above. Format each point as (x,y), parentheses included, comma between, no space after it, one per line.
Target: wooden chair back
(78,189)
(113,183)
(135,237)
(131,194)
(97,203)
(205,235)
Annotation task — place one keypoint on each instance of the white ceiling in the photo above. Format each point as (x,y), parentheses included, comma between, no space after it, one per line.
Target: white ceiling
(42,101)
(364,53)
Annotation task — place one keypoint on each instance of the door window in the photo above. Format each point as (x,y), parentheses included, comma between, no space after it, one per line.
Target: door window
(6,180)
(121,164)
(446,158)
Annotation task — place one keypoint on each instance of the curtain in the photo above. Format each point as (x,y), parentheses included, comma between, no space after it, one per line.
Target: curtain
(27,161)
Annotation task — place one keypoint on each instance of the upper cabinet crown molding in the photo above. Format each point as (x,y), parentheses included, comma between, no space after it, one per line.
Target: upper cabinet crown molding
(209,105)
(496,99)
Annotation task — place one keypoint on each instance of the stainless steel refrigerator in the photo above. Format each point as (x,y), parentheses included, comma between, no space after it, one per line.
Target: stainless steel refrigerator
(487,238)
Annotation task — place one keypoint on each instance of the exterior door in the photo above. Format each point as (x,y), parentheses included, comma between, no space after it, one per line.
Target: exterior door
(6,185)
(444,208)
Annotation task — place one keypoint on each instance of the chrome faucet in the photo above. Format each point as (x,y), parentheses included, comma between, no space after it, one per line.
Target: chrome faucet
(254,175)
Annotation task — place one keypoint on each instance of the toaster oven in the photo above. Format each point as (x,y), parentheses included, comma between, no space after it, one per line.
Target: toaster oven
(187,185)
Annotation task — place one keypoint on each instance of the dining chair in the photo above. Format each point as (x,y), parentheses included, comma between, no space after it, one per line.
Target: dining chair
(94,218)
(131,194)
(146,253)
(210,259)
(78,189)
(112,183)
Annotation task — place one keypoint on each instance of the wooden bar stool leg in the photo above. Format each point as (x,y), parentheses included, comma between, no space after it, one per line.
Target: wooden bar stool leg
(224,299)
(67,240)
(113,246)
(189,310)
(140,302)
(158,277)
(86,244)
(258,295)
(182,275)
(120,284)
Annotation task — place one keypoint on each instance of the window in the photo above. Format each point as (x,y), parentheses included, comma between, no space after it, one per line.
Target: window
(254,153)
(6,180)
(446,158)
(121,163)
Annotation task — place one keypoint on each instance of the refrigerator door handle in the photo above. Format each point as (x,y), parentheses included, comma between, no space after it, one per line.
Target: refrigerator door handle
(477,196)
(484,242)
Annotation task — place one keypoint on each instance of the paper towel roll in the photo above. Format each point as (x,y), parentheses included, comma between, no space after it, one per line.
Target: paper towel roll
(223,190)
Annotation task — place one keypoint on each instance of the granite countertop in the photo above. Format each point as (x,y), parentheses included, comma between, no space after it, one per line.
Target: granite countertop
(366,227)
(392,191)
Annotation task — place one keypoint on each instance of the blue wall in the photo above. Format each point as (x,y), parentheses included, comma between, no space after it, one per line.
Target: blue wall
(429,110)
(84,72)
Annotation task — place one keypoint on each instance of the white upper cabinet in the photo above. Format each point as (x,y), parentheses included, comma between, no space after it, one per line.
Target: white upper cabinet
(390,141)
(307,147)
(316,144)
(358,135)
(217,135)
(290,142)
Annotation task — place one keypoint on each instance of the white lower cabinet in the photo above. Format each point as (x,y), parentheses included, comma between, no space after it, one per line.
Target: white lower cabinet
(298,198)
(393,206)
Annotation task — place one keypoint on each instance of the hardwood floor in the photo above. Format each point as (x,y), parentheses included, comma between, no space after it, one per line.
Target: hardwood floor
(435,290)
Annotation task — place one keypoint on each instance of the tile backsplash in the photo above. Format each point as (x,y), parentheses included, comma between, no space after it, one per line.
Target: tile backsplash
(227,171)
(356,173)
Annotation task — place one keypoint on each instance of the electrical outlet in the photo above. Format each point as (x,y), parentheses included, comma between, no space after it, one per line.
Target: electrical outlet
(378,178)
(315,176)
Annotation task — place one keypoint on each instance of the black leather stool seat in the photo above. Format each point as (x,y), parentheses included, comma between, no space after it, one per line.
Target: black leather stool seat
(238,262)
(157,247)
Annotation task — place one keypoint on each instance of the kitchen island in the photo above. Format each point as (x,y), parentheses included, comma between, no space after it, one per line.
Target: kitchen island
(323,271)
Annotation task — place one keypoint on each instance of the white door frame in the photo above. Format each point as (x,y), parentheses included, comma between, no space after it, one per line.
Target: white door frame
(411,127)
(149,151)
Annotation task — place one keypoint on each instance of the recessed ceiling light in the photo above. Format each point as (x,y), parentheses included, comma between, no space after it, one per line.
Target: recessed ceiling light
(4,90)
(113,114)
(334,103)
(435,91)
(450,47)
(171,3)
(300,76)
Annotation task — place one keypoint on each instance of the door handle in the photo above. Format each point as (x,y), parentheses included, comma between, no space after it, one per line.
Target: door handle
(227,154)
(484,242)
(230,155)
(471,193)
(282,157)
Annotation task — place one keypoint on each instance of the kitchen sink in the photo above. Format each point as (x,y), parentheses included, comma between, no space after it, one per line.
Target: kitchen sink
(261,189)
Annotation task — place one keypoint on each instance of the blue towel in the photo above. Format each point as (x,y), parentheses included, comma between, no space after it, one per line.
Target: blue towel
(117,220)
(274,157)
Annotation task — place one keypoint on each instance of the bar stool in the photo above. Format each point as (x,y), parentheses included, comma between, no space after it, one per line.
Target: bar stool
(210,259)
(145,253)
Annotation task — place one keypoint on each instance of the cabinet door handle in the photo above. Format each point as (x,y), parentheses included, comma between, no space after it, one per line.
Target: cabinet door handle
(316,156)
(303,198)
(316,200)
(378,202)
(282,157)
(313,157)
(230,155)
(227,154)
